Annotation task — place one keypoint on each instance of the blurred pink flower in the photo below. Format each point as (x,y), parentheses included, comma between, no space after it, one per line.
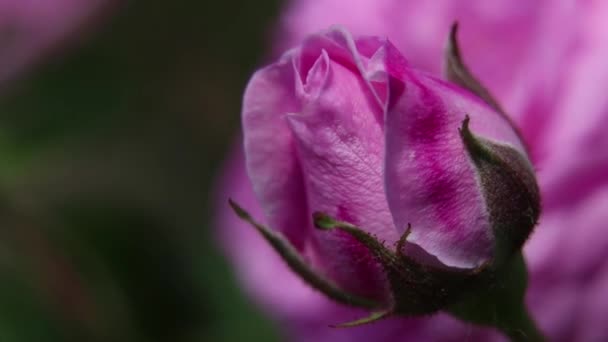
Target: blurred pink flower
(30,29)
(545,61)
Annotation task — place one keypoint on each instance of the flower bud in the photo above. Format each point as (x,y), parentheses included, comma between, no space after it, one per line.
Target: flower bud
(418,188)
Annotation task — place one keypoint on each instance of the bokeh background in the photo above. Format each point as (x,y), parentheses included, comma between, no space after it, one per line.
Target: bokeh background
(111,137)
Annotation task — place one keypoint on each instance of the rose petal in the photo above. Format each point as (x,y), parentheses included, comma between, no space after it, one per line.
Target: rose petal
(271,160)
(430,181)
(340,146)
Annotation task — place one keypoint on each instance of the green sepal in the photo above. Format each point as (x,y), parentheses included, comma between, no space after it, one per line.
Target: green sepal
(510,191)
(377,248)
(416,289)
(296,262)
(500,303)
(456,71)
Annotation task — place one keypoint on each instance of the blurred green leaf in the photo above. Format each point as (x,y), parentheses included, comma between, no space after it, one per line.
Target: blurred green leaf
(111,149)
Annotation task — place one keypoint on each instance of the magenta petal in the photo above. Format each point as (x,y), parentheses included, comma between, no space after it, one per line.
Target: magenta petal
(430,183)
(430,180)
(269,149)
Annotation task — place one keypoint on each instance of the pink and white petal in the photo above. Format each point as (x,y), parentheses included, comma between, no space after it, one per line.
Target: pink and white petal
(428,176)
(430,181)
(272,163)
(340,146)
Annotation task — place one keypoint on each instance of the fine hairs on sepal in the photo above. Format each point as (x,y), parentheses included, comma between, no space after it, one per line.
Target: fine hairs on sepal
(510,190)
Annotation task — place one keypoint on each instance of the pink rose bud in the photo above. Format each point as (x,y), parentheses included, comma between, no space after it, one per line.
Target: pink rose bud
(421,189)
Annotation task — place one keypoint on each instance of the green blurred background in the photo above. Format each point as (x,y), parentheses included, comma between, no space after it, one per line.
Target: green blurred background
(109,154)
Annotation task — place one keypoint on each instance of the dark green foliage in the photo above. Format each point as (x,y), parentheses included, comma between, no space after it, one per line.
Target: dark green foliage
(110,150)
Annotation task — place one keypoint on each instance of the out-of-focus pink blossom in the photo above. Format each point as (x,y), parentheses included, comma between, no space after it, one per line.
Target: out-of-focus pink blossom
(29,29)
(545,61)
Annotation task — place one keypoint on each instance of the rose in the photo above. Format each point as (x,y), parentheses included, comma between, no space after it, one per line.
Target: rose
(543,71)
(348,127)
